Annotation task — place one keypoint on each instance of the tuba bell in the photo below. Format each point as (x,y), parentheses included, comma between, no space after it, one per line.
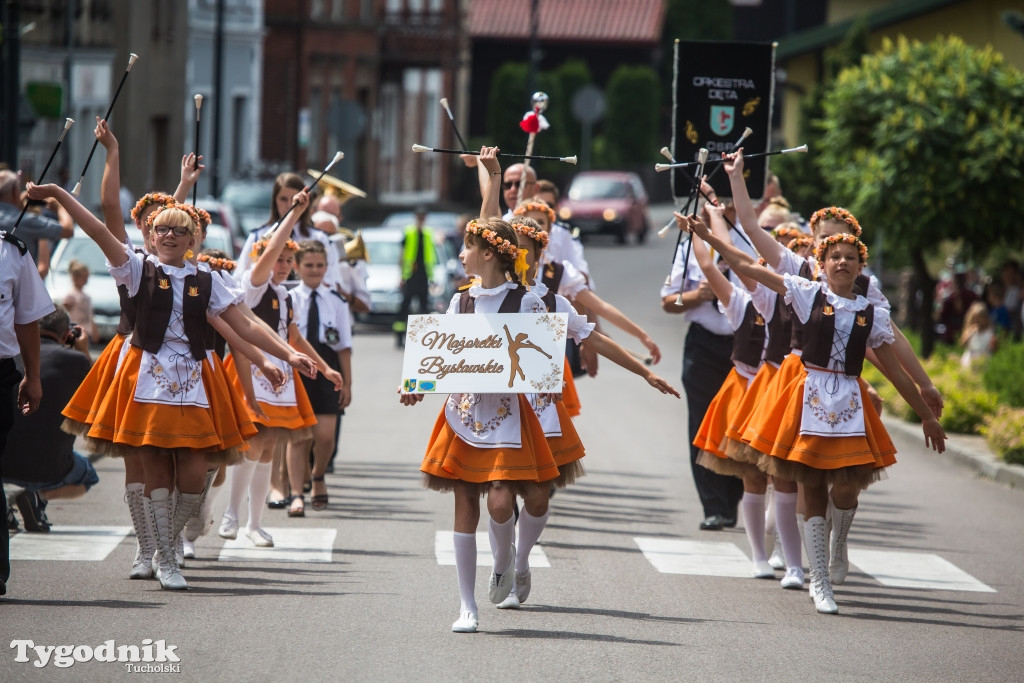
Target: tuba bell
(355,247)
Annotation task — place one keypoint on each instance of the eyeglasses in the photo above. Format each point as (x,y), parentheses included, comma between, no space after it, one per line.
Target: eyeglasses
(509,184)
(178,231)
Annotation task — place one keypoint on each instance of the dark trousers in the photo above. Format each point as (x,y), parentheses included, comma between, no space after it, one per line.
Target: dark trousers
(9,379)
(706,364)
(417,288)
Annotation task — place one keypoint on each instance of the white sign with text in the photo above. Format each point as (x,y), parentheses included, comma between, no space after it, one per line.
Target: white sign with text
(517,353)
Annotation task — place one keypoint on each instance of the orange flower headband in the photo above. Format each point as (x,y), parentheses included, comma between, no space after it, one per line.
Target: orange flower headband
(261,246)
(539,207)
(801,242)
(181,207)
(838,214)
(151,198)
(541,237)
(841,238)
(218,263)
(204,217)
(499,243)
(791,233)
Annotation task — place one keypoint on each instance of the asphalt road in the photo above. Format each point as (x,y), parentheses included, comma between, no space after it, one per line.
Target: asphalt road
(369,599)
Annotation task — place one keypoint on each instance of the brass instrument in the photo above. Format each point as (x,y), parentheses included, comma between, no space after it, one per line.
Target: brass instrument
(338,188)
(355,247)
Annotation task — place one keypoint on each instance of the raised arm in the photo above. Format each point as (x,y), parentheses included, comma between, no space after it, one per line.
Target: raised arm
(263,266)
(488,160)
(110,186)
(742,263)
(766,245)
(112,248)
(720,284)
(191,169)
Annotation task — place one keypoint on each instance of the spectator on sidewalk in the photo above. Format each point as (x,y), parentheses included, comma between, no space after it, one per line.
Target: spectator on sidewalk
(39,456)
(34,227)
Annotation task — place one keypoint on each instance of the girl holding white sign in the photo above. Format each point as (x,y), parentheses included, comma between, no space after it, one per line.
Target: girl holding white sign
(551,412)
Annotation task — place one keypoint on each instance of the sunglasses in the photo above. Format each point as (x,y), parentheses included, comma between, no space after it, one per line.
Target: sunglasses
(178,231)
(509,184)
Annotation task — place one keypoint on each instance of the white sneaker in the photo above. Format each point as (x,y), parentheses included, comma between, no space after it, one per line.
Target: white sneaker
(511,602)
(500,585)
(260,538)
(228,527)
(523,581)
(762,570)
(777,561)
(189,549)
(794,578)
(466,623)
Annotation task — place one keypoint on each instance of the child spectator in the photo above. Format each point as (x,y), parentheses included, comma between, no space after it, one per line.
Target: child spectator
(979,336)
(77,303)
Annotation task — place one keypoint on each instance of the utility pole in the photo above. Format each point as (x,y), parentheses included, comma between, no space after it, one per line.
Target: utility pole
(10,93)
(218,68)
(533,48)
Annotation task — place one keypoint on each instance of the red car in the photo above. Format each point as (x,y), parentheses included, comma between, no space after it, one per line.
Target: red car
(607,202)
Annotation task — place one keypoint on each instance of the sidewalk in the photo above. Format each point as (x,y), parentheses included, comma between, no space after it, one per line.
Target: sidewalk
(968,450)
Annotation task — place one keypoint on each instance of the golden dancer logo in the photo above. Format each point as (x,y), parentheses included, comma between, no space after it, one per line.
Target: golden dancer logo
(521,341)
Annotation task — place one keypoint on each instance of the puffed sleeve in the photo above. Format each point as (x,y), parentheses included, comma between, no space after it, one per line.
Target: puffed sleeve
(579,328)
(764,301)
(675,278)
(573,282)
(221,296)
(789,263)
(128,273)
(881,330)
(874,295)
(800,293)
(252,293)
(737,307)
(453,305)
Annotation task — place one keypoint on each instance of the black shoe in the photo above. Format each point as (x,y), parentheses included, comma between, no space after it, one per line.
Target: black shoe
(33,511)
(729,522)
(279,504)
(713,523)
(12,522)
(3,587)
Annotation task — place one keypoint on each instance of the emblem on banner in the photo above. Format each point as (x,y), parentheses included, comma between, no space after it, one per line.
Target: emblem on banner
(409,385)
(723,118)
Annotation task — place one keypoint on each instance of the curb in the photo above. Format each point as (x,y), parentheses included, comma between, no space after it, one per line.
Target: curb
(969,451)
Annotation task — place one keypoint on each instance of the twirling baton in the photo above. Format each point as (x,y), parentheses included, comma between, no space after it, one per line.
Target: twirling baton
(67,124)
(802,149)
(419,149)
(199,105)
(451,118)
(338,156)
(532,123)
(131,60)
(702,158)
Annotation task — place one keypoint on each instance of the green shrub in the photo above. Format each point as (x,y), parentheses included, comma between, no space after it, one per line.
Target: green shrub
(1004,434)
(1004,374)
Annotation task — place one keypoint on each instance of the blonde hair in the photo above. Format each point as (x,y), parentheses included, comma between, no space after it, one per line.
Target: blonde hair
(774,211)
(175,217)
(76,267)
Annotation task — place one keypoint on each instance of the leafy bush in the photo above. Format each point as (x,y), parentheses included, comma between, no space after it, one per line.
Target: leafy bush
(1004,374)
(1004,434)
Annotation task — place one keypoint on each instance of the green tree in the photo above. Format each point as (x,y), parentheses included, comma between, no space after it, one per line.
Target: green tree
(925,142)
(631,120)
(573,74)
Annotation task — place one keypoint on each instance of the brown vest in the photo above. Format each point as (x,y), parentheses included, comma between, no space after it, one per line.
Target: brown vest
(510,304)
(153,304)
(748,339)
(780,332)
(268,309)
(127,322)
(820,330)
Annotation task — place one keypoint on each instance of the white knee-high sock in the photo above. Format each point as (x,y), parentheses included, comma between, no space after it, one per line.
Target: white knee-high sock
(465,568)
(240,475)
(258,490)
(789,532)
(502,538)
(530,529)
(753,521)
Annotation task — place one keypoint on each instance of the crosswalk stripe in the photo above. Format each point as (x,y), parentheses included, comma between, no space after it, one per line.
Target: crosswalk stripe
(69,543)
(915,570)
(290,545)
(702,558)
(444,550)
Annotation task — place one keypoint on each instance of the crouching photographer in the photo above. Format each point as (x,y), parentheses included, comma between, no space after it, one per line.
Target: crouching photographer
(40,457)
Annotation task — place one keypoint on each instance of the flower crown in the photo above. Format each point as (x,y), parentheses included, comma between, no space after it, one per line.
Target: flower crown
(841,238)
(837,214)
(500,243)
(261,246)
(204,217)
(150,220)
(801,242)
(218,263)
(541,237)
(784,232)
(151,198)
(538,206)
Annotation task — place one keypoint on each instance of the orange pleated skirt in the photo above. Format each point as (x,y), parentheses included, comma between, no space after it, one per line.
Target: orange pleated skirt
(82,408)
(566,449)
(293,417)
(720,414)
(449,459)
(124,424)
(753,396)
(570,397)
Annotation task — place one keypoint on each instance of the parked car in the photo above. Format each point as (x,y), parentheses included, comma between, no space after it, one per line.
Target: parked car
(384,246)
(101,288)
(251,201)
(223,214)
(607,202)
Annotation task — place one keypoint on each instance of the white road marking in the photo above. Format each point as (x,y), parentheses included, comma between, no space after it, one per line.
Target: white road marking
(290,545)
(69,543)
(915,570)
(445,551)
(702,558)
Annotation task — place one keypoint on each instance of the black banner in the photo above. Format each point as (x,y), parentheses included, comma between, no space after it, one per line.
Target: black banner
(723,88)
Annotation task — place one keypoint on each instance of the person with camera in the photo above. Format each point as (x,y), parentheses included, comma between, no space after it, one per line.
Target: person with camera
(39,457)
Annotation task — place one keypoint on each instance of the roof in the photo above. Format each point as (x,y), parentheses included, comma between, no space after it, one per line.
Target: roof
(580,21)
(822,36)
